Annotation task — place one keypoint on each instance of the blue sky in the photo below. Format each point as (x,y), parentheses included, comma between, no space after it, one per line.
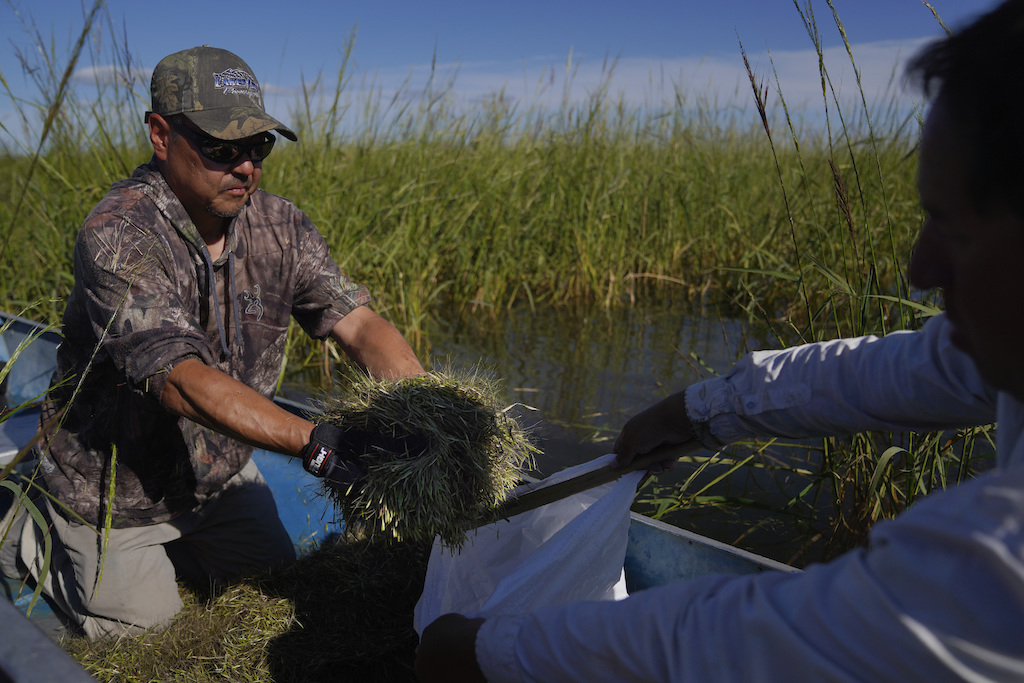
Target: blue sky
(661,46)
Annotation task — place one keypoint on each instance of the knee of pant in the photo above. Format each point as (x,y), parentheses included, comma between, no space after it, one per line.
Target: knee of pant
(95,627)
(137,586)
(117,608)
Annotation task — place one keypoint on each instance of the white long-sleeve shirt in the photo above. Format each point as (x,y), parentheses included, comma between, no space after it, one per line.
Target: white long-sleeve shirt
(939,596)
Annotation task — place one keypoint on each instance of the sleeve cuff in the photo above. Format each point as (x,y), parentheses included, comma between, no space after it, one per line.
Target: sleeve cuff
(697,412)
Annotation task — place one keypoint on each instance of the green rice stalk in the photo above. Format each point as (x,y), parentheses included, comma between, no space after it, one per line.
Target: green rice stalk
(108,517)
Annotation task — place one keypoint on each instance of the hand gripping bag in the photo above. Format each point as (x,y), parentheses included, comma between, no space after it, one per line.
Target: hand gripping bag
(568,550)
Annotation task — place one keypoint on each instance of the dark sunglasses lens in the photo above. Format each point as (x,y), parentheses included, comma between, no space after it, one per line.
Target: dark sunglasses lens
(261,151)
(226,152)
(219,152)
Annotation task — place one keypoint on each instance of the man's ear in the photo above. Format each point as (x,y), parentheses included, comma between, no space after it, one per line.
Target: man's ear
(160,135)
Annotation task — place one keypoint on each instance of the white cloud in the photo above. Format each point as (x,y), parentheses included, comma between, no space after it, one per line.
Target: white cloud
(110,75)
(711,83)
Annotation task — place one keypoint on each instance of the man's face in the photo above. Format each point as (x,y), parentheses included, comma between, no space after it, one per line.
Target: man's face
(211,192)
(976,257)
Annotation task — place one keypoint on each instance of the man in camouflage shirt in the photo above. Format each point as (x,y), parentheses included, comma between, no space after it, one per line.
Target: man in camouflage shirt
(186,276)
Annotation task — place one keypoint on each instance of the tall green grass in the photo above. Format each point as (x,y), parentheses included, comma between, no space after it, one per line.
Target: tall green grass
(470,213)
(496,207)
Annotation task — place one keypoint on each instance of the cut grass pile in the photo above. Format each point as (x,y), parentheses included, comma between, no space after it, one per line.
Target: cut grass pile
(341,613)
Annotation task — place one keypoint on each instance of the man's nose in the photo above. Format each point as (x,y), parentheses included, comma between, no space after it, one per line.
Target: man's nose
(244,165)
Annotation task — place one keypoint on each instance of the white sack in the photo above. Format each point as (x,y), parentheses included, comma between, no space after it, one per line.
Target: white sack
(571,549)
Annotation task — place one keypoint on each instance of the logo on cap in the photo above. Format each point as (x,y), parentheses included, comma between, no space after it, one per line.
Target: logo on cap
(237,82)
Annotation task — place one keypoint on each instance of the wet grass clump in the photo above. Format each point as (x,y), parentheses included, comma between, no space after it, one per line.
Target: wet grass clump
(466,451)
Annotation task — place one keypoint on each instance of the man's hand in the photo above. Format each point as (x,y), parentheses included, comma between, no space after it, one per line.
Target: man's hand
(663,424)
(447,651)
(334,453)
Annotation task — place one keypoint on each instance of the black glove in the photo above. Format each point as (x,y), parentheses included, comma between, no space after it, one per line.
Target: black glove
(333,453)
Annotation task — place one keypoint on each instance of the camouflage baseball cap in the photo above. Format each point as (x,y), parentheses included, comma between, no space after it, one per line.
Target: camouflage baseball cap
(216,91)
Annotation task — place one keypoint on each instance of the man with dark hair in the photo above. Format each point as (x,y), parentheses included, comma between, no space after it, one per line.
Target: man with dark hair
(939,594)
(186,278)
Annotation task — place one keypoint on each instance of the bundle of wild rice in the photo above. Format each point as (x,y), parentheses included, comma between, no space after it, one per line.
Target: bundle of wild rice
(463,451)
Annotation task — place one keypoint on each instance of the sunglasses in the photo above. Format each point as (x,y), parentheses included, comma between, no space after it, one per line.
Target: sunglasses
(223,151)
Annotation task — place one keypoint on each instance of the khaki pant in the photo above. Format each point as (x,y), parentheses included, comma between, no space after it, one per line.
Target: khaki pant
(131,586)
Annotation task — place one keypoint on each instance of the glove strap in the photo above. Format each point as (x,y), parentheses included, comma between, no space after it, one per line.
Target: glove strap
(316,456)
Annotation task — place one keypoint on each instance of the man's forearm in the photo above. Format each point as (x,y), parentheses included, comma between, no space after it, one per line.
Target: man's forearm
(376,345)
(208,396)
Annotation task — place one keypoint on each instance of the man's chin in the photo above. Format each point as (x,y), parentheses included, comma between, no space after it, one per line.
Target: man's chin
(224,213)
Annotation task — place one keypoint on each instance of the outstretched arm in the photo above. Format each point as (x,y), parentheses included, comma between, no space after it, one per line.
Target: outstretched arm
(216,400)
(916,381)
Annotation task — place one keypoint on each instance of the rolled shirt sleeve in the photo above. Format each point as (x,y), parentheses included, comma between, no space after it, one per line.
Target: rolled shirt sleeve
(904,381)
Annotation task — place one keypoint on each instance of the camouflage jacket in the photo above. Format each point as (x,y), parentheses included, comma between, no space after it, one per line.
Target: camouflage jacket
(146,297)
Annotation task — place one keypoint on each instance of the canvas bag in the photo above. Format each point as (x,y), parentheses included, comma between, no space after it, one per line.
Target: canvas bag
(571,549)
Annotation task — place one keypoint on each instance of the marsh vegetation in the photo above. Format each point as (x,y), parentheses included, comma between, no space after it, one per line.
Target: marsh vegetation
(463,219)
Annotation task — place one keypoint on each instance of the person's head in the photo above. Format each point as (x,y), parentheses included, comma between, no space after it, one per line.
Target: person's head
(210,131)
(971,181)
